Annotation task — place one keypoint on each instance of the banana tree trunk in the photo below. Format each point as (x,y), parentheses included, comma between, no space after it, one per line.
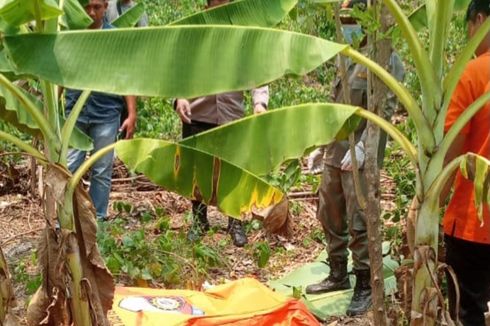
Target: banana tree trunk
(426,293)
(6,291)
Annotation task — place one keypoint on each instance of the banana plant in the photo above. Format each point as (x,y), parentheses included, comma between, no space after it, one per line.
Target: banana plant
(77,286)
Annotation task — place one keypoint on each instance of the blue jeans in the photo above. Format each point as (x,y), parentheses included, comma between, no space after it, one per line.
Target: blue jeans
(102,134)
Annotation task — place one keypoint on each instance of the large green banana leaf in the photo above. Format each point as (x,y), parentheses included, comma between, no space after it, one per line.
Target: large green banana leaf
(7,69)
(13,112)
(180,61)
(276,136)
(18,12)
(198,175)
(75,16)
(243,12)
(131,17)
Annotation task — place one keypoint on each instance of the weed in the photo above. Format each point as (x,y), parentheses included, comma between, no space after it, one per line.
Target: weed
(31,281)
(262,253)
(154,253)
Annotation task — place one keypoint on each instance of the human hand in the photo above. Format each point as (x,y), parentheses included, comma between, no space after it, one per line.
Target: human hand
(183,108)
(315,161)
(346,163)
(129,126)
(259,108)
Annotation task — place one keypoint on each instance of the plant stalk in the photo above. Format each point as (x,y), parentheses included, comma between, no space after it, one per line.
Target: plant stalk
(23,146)
(431,91)
(79,302)
(31,108)
(6,290)
(423,127)
(69,125)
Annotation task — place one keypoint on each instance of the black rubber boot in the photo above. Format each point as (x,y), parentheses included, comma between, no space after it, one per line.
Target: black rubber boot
(200,223)
(361,299)
(338,279)
(237,232)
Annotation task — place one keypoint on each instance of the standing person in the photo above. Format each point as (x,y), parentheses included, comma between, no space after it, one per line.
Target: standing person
(467,239)
(118,7)
(204,113)
(338,208)
(100,120)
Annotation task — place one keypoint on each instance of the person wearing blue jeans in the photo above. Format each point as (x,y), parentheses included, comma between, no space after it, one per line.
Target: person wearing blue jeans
(100,120)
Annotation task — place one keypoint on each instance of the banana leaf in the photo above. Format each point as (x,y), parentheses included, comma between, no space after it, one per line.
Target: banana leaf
(477,169)
(198,175)
(243,12)
(131,17)
(18,12)
(184,61)
(13,112)
(418,17)
(75,16)
(333,303)
(277,136)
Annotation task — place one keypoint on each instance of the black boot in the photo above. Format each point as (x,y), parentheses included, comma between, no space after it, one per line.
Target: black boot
(200,223)
(336,280)
(361,299)
(237,232)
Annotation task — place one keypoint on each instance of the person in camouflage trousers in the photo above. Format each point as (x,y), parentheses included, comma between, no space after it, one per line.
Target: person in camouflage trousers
(342,219)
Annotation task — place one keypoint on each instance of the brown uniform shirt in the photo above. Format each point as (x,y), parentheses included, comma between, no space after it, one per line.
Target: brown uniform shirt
(357,80)
(222,108)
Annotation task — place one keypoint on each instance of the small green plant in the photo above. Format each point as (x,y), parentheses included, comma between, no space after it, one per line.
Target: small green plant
(262,253)
(31,281)
(154,253)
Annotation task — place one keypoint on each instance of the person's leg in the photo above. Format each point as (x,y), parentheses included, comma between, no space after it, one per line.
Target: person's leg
(331,214)
(356,222)
(361,299)
(76,157)
(470,262)
(200,222)
(101,176)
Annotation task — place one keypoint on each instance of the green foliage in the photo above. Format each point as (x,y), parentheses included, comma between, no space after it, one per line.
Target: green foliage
(153,253)
(262,253)
(398,167)
(157,119)
(286,177)
(23,274)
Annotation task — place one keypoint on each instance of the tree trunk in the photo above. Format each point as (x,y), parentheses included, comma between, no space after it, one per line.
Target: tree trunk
(425,298)
(377,102)
(6,290)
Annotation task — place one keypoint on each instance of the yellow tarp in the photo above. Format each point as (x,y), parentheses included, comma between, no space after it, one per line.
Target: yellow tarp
(242,302)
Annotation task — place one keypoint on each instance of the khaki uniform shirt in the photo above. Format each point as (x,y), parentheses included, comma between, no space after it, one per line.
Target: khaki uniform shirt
(357,80)
(222,108)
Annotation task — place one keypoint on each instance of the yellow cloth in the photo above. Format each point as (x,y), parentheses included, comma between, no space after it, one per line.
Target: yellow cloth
(242,302)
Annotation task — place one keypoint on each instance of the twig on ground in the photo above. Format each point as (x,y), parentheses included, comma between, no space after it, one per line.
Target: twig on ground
(21,235)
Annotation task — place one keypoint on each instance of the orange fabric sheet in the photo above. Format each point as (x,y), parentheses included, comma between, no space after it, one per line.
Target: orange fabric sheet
(242,302)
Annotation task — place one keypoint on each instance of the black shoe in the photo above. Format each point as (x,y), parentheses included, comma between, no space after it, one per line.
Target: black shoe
(338,279)
(361,299)
(237,232)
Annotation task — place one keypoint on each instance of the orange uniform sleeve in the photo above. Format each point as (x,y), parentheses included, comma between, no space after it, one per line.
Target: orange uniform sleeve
(461,99)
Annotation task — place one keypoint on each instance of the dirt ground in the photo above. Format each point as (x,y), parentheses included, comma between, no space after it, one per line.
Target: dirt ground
(21,221)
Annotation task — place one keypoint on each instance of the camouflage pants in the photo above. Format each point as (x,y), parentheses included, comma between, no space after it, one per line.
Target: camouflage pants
(343,221)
